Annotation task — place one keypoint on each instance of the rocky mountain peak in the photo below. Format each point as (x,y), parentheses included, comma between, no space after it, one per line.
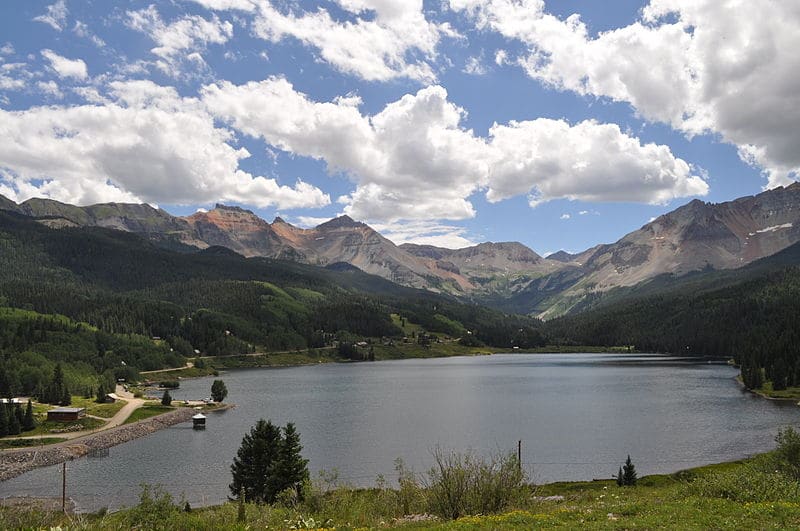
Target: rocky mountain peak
(562,256)
(342,222)
(231,208)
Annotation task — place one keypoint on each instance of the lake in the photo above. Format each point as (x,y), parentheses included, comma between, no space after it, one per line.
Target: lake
(578,416)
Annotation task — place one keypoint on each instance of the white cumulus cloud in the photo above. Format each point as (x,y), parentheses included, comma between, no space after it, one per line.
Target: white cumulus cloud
(425,233)
(182,40)
(55,16)
(414,160)
(73,68)
(701,66)
(144,144)
(588,161)
(378,40)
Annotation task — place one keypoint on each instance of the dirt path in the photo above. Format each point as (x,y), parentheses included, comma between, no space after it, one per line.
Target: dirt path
(123,414)
(16,461)
(188,365)
(132,404)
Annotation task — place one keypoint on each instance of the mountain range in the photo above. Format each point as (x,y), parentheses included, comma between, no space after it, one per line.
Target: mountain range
(506,275)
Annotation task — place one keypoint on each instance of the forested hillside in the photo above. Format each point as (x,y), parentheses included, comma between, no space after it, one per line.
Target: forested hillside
(96,298)
(750,315)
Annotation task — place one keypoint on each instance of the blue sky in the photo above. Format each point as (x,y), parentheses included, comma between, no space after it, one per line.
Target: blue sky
(557,124)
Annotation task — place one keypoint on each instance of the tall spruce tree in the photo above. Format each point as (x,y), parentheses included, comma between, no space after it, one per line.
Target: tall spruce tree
(56,392)
(66,397)
(290,470)
(267,463)
(14,427)
(101,394)
(28,423)
(253,462)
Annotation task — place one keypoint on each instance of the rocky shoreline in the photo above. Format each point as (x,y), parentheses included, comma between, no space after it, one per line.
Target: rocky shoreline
(18,461)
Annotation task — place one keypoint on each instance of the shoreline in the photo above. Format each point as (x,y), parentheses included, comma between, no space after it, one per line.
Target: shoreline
(305,362)
(17,461)
(765,396)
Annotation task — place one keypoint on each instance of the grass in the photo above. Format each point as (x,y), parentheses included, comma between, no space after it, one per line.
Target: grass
(690,499)
(790,393)
(147,411)
(409,326)
(105,411)
(28,443)
(45,427)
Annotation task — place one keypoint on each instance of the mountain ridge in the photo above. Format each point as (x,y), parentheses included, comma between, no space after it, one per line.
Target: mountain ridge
(693,237)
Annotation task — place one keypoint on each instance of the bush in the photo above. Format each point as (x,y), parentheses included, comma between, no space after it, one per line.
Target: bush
(461,484)
(154,510)
(409,493)
(787,455)
(218,391)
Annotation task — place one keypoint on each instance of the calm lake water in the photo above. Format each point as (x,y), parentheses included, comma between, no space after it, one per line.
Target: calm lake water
(577,415)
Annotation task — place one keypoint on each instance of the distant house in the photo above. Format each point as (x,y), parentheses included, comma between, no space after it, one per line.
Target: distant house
(21,401)
(66,414)
(111,398)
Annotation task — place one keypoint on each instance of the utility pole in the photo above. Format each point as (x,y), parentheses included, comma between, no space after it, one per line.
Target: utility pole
(64,488)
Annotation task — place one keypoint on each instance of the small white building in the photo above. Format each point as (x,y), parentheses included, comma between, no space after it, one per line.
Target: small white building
(199,421)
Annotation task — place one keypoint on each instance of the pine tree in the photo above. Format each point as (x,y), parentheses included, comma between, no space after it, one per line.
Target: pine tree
(56,386)
(290,470)
(253,462)
(629,473)
(28,422)
(620,479)
(166,399)
(101,394)
(66,397)
(267,463)
(14,427)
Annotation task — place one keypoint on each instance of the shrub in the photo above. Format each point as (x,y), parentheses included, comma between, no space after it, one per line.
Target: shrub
(218,391)
(461,484)
(409,493)
(787,454)
(154,510)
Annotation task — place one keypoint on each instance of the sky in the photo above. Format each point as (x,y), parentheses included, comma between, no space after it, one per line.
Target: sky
(558,124)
